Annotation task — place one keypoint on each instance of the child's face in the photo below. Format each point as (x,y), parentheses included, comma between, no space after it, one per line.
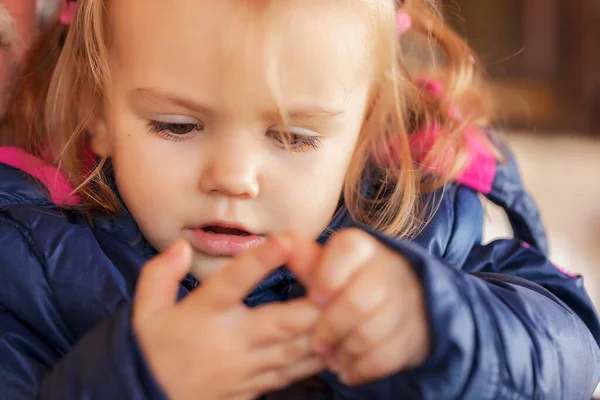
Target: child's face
(203,64)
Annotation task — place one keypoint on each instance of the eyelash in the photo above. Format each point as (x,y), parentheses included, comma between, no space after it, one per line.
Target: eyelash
(167,130)
(300,143)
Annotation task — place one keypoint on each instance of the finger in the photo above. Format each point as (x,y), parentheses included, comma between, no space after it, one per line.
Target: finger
(228,286)
(304,258)
(276,379)
(283,354)
(302,369)
(379,362)
(344,254)
(364,294)
(281,321)
(378,326)
(403,314)
(159,280)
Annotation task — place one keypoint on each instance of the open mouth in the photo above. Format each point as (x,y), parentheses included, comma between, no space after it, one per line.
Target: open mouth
(223,240)
(221,230)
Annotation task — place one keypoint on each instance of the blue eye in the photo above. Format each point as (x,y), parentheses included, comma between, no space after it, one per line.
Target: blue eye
(173,130)
(293,141)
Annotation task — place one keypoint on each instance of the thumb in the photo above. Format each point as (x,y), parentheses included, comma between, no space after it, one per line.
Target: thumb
(159,280)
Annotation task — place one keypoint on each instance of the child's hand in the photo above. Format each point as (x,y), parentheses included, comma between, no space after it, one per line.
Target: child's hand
(210,345)
(374,321)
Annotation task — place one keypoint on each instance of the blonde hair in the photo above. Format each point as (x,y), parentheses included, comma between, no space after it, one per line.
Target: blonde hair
(62,92)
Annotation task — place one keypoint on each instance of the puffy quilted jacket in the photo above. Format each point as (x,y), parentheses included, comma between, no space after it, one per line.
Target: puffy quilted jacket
(505,322)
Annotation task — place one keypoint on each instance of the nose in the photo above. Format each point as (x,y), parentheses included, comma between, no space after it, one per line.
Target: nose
(231,171)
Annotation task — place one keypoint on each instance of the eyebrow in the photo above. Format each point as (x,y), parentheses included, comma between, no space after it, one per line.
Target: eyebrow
(298,113)
(161,97)
(306,113)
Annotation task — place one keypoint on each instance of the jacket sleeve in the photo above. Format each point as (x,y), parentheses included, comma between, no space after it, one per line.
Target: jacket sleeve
(506,324)
(40,358)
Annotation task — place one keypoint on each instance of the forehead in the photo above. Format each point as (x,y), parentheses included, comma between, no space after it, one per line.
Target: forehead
(227,47)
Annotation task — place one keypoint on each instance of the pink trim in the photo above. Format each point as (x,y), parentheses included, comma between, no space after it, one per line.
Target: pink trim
(60,189)
(481,163)
(564,271)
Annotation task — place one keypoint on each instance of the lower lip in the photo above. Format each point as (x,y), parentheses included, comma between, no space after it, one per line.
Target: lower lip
(217,244)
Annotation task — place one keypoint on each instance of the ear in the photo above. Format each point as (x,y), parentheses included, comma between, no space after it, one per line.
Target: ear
(100,139)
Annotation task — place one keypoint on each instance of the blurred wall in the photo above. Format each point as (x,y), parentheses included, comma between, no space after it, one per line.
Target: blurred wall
(543,57)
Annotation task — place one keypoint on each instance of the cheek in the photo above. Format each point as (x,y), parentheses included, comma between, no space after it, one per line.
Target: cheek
(310,192)
(153,180)
(135,163)
(148,166)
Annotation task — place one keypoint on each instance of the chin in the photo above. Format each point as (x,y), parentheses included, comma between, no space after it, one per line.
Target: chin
(204,266)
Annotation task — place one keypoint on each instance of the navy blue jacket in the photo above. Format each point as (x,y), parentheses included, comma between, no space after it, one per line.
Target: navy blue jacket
(506,324)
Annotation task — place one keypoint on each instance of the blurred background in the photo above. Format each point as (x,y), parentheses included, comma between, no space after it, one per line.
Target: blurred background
(542,55)
(543,59)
